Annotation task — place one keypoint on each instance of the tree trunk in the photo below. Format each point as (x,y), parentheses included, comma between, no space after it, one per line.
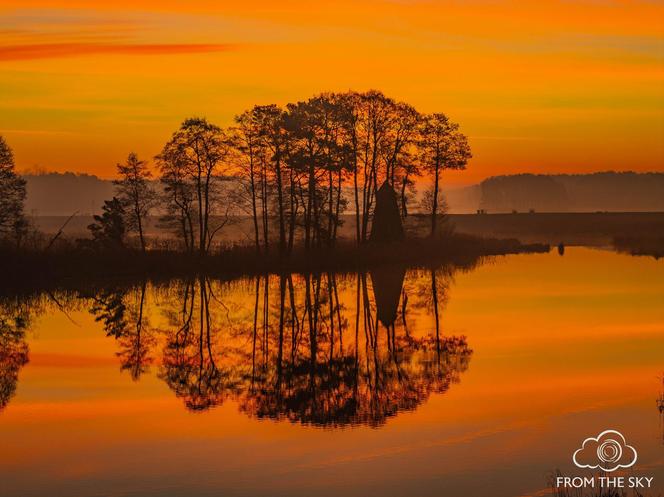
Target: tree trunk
(338,210)
(358,236)
(264,211)
(253,200)
(293,213)
(434,206)
(206,216)
(310,201)
(280,200)
(329,206)
(139,221)
(404,207)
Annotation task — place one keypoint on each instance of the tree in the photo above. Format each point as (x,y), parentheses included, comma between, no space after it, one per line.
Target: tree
(251,149)
(304,122)
(199,149)
(178,196)
(374,126)
(441,146)
(398,150)
(135,193)
(442,208)
(108,230)
(320,154)
(12,196)
(269,120)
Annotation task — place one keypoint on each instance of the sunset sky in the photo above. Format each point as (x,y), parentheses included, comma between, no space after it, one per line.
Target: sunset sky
(538,86)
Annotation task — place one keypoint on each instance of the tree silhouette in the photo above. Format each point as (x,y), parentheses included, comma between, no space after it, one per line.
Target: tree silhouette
(294,170)
(109,228)
(247,140)
(195,156)
(135,193)
(301,164)
(13,224)
(178,198)
(442,146)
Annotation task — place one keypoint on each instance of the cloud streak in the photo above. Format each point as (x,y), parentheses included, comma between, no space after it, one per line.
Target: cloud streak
(59,50)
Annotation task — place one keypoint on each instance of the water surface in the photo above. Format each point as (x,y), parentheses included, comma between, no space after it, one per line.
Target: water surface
(478,381)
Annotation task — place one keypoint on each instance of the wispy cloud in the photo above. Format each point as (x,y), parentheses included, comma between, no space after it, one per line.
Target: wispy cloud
(58,50)
(30,35)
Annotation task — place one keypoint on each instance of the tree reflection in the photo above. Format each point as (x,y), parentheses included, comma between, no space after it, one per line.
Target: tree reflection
(14,319)
(294,356)
(321,349)
(189,366)
(122,314)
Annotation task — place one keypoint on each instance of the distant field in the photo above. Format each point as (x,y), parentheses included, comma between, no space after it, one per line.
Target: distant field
(595,229)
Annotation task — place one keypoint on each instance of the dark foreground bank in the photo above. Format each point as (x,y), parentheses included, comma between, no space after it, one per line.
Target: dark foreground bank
(26,269)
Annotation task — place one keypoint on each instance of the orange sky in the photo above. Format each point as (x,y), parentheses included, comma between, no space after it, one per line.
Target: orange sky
(539,86)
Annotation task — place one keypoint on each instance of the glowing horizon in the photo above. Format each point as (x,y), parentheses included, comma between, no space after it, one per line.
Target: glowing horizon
(541,87)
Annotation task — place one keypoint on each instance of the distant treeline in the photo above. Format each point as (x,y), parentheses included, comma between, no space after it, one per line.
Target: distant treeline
(605,191)
(62,194)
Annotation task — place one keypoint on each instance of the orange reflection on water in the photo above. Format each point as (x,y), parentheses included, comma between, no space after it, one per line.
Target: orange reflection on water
(558,349)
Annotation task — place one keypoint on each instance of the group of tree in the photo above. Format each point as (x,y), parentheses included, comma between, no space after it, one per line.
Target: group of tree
(293,170)
(304,165)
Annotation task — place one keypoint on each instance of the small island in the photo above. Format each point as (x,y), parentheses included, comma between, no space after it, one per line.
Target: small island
(341,181)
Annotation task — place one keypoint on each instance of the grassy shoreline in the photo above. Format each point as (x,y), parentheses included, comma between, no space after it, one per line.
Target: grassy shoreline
(26,269)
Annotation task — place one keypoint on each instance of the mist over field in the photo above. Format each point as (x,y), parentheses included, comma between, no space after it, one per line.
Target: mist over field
(62,194)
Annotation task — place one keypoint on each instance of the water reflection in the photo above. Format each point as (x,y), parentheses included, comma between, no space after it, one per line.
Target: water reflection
(322,349)
(14,319)
(122,315)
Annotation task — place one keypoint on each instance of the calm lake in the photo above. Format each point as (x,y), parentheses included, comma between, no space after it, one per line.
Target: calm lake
(477,381)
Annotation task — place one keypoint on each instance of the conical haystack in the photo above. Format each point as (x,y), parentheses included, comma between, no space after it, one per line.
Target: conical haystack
(386,225)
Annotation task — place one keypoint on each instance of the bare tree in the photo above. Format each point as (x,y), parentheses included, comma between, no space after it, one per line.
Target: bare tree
(399,151)
(178,196)
(135,192)
(247,141)
(200,149)
(442,146)
(270,123)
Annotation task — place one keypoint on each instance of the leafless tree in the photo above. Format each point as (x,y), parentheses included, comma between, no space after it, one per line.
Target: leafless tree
(442,146)
(136,194)
(192,162)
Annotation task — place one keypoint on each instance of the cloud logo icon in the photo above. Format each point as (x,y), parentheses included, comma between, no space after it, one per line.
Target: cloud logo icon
(608,451)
